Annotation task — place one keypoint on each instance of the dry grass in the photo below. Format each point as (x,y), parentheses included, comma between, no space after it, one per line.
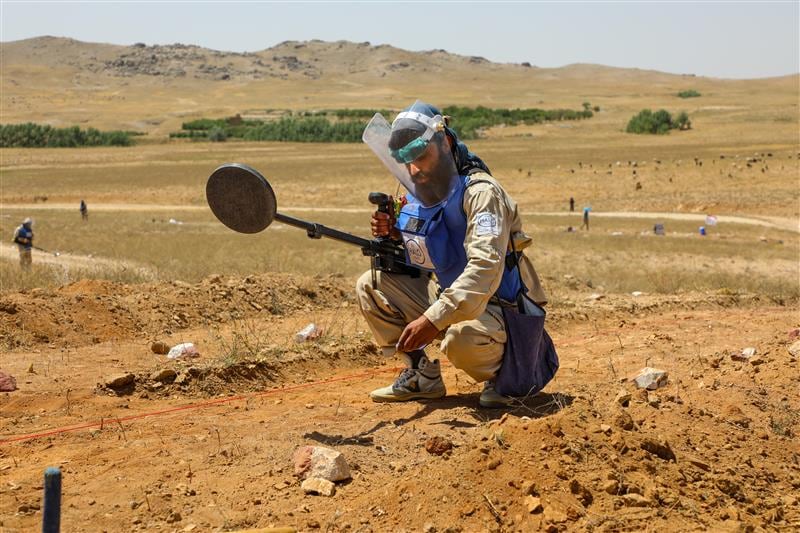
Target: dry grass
(541,166)
(145,244)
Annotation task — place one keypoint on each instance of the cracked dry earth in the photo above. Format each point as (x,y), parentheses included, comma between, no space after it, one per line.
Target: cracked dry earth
(209,447)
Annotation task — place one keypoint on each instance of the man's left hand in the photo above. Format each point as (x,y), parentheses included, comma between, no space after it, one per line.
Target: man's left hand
(417,334)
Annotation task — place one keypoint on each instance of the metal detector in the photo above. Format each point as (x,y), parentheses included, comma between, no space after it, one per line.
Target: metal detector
(242,199)
(46,251)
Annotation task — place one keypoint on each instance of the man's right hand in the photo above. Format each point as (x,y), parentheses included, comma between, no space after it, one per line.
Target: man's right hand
(383,226)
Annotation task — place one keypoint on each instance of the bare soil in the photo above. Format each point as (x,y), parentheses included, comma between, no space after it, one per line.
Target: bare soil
(209,448)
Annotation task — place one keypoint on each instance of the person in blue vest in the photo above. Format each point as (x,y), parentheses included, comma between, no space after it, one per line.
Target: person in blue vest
(585,223)
(23,238)
(458,225)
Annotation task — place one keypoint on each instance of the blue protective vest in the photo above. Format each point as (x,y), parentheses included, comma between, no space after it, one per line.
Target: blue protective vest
(24,233)
(434,240)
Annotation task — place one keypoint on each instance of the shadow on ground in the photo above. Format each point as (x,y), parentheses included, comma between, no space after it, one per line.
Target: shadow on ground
(539,406)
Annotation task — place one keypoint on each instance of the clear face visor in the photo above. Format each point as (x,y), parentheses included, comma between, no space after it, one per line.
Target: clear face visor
(377,134)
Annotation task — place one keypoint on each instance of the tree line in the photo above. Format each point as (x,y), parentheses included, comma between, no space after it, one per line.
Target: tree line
(469,122)
(30,135)
(347,125)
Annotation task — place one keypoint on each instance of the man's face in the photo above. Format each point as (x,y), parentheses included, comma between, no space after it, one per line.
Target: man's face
(433,171)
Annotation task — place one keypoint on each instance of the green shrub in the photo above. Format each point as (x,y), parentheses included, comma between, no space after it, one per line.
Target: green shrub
(190,134)
(217,134)
(690,93)
(313,129)
(203,124)
(682,122)
(658,123)
(30,135)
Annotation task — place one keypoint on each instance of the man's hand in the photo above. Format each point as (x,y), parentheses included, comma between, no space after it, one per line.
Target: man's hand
(383,226)
(417,334)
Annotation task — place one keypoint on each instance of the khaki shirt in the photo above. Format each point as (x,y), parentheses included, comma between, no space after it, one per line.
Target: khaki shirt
(467,297)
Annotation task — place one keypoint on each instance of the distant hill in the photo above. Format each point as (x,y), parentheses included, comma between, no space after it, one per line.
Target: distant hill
(313,59)
(63,81)
(290,59)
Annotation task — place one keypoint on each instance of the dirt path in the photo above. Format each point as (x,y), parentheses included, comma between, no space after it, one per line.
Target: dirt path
(781,223)
(69,261)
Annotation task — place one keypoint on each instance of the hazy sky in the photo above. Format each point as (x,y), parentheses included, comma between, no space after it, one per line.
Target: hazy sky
(720,39)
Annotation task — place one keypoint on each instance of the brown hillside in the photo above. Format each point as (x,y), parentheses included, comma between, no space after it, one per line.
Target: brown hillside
(154,88)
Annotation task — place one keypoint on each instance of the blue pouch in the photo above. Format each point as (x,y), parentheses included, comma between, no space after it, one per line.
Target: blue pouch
(529,359)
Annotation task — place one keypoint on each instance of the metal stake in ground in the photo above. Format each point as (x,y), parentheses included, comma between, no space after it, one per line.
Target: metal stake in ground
(51,518)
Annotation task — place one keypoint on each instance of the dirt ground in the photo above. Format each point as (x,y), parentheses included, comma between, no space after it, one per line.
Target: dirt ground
(208,447)
(146,443)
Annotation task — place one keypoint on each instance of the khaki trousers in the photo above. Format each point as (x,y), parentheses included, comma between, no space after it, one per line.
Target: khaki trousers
(25,259)
(475,346)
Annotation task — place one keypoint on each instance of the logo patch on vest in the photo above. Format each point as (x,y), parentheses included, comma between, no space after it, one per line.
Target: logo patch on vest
(486,224)
(417,251)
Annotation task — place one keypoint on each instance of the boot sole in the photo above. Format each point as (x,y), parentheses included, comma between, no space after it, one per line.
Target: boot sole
(495,404)
(433,395)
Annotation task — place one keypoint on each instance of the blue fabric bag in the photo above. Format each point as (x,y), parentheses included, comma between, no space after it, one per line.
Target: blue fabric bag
(529,359)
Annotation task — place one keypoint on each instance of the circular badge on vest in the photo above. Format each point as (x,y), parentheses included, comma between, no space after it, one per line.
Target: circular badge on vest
(415,252)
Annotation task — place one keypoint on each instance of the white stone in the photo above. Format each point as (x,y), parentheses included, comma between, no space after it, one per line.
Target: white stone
(651,378)
(794,349)
(320,462)
(745,355)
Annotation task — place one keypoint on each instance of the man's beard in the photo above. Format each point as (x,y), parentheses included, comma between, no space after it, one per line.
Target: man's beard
(434,185)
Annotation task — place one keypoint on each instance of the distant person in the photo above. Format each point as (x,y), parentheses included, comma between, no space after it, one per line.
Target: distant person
(586,218)
(571,204)
(23,238)
(84,211)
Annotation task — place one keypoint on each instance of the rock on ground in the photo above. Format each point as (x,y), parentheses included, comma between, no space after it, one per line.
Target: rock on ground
(160,348)
(438,445)
(118,381)
(316,485)
(7,382)
(794,349)
(659,448)
(320,462)
(651,378)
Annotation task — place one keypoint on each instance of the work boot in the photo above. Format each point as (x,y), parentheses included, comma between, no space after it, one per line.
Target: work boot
(492,399)
(420,383)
